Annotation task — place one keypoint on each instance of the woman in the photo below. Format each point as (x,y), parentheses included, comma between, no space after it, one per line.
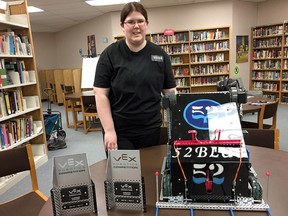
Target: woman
(130,76)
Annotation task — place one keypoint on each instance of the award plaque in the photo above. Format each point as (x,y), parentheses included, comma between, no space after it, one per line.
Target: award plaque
(124,187)
(73,190)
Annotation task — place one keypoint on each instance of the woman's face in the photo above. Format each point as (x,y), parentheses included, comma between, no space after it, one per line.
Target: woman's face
(135,28)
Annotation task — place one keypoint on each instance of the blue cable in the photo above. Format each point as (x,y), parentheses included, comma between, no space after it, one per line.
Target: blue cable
(191,212)
(231,212)
(269,212)
(157,210)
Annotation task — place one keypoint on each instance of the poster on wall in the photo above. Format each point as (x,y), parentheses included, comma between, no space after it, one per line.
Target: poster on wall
(91,46)
(242,48)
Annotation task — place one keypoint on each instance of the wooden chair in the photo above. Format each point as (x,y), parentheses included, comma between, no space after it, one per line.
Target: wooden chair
(268,138)
(268,111)
(90,115)
(31,202)
(68,106)
(53,94)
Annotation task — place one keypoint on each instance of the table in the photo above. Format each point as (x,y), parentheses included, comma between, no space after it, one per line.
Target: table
(263,160)
(74,98)
(248,108)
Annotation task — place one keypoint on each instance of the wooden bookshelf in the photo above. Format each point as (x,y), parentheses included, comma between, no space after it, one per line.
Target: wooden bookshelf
(284,75)
(177,47)
(22,123)
(210,57)
(266,59)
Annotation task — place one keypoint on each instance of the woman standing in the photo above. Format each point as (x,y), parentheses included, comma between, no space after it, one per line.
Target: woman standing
(130,76)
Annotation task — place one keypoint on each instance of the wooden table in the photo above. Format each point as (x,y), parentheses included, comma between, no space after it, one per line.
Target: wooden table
(249,108)
(75,98)
(263,160)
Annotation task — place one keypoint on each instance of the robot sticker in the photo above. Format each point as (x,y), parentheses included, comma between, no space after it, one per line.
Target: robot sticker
(195,113)
(208,174)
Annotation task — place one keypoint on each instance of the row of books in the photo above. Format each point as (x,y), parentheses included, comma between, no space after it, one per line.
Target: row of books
(208,35)
(284,99)
(268,31)
(176,60)
(176,49)
(266,75)
(217,57)
(272,97)
(206,80)
(182,82)
(267,43)
(209,69)
(267,64)
(15,73)
(183,91)
(265,86)
(262,54)
(284,75)
(14,44)
(285,87)
(286,53)
(285,64)
(215,46)
(179,71)
(14,131)
(176,38)
(13,101)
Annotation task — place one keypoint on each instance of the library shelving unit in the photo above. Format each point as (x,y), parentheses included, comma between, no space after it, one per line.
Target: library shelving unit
(267,56)
(21,117)
(284,81)
(210,57)
(177,47)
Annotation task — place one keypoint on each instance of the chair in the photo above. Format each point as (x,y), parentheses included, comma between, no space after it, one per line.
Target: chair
(268,138)
(31,202)
(90,115)
(68,106)
(267,111)
(53,94)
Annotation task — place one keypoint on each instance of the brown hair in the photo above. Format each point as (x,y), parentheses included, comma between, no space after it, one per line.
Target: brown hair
(129,8)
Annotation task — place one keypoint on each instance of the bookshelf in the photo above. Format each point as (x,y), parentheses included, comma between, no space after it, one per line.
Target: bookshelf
(177,47)
(266,62)
(284,77)
(210,57)
(21,118)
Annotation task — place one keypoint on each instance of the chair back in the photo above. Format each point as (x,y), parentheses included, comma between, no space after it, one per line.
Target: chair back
(262,137)
(89,103)
(268,111)
(22,161)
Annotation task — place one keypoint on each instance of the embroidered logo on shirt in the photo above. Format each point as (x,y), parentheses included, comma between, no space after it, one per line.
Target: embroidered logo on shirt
(157,58)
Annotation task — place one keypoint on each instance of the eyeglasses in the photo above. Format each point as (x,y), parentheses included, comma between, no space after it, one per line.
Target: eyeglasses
(132,23)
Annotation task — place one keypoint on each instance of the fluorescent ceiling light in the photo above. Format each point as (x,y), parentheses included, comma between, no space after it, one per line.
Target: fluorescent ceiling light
(3,5)
(32,9)
(108,2)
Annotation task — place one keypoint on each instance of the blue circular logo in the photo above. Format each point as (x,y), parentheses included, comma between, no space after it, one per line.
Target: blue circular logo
(195,113)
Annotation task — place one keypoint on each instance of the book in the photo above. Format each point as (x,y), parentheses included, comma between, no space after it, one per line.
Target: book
(7,102)
(14,77)
(3,111)
(3,77)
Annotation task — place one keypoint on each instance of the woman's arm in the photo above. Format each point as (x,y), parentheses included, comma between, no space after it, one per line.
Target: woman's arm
(105,115)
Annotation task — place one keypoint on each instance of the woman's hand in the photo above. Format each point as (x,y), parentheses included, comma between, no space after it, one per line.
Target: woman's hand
(110,140)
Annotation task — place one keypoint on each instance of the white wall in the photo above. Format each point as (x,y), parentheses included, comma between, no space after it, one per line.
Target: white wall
(272,12)
(183,17)
(244,17)
(45,50)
